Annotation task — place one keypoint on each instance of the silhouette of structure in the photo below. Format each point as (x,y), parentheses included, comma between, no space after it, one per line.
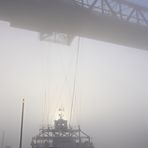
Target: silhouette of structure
(116,21)
(61,136)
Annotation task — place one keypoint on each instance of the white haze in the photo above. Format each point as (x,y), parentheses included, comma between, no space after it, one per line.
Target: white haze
(111,88)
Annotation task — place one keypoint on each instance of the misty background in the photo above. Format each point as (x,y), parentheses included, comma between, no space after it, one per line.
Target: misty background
(111,88)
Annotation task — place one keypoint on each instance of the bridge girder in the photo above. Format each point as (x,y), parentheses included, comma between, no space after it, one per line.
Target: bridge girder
(122,9)
(116,21)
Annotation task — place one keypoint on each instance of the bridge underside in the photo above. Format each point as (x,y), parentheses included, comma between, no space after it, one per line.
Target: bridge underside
(53,17)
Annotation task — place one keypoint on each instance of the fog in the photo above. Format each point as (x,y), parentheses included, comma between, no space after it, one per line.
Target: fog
(111,103)
(111,88)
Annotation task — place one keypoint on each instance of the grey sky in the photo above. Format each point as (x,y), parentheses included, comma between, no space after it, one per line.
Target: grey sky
(112,88)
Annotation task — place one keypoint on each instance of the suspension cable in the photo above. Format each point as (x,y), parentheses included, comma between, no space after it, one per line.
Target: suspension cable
(74,83)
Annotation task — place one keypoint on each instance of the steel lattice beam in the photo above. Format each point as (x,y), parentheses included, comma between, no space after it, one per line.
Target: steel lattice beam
(115,21)
(121,9)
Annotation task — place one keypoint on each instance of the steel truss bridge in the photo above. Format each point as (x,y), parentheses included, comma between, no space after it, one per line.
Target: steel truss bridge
(116,21)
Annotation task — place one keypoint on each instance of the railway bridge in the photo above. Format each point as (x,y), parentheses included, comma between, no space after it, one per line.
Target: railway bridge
(115,21)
